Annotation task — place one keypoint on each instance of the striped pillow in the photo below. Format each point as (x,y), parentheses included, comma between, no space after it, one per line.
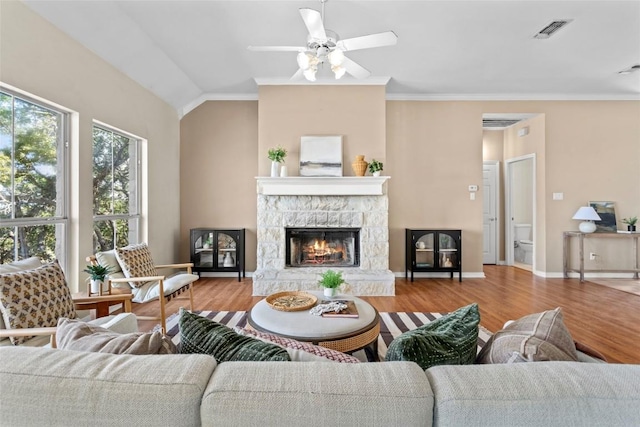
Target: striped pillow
(201,335)
(289,343)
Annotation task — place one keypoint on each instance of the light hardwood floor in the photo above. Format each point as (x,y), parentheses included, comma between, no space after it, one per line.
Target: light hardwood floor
(605,319)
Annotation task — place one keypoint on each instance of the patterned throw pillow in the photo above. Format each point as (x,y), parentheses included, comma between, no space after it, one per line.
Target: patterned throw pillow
(536,337)
(136,261)
(201,335)
(289,343)
(81,336)
(449,340)
(35,299)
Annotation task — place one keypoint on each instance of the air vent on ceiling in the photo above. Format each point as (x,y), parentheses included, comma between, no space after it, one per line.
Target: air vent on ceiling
(632,69)
(552,28)
(498,123)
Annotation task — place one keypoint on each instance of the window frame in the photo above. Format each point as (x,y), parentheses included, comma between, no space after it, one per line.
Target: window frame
(137,185)
(61,216)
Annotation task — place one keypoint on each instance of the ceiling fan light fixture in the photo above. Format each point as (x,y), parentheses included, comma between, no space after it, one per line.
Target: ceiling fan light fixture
(338,70)
(310,74)
(303,60)
(336,57)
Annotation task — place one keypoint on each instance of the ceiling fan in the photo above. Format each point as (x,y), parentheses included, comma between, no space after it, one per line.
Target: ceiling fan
(324,46)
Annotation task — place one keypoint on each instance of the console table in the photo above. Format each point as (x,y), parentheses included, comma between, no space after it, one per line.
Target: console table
(567,235)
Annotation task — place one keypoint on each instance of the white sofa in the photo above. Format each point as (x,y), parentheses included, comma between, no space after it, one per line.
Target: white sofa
(65,388)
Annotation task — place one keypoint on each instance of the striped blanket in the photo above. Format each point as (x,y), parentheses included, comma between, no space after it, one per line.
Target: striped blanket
(391,325)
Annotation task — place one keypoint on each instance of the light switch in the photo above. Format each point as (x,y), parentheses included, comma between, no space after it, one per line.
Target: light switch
(558,196)
(472,195)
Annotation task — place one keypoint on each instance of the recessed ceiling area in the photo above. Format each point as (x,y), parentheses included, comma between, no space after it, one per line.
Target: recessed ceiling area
(187,52)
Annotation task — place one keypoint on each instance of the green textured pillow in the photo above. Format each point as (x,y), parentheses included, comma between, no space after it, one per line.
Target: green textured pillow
(449,340)
(201,335)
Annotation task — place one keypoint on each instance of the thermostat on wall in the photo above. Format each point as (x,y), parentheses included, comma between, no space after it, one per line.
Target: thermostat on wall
(473,188)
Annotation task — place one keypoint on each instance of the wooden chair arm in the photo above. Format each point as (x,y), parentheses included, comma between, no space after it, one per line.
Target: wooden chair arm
(27,332)
(137,279)
(183,265)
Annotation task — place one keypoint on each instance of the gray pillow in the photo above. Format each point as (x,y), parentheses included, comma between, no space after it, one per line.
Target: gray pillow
(536,337)
(201,335)
(81,336)
(449,340)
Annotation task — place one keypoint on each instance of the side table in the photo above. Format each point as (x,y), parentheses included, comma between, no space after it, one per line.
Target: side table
(101,303)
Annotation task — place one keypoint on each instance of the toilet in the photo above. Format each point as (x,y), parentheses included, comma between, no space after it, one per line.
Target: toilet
(523,244)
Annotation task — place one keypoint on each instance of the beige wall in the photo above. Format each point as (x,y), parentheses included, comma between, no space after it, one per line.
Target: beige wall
(288,112)
(218,163)
(433,151)
(43,61)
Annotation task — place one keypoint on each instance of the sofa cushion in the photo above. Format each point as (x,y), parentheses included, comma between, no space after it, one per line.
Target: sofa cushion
(135,261)
(536,337)
(201,335)
(151,290)
(35,298)
(449,340)
(300,351)
(536,394)
(81,336)
(49,387)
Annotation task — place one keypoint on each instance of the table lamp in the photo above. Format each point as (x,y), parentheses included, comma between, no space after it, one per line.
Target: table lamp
(587,214)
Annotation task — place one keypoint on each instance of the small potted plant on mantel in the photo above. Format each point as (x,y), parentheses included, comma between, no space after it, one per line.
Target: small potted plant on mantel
(375,167)
(97,275)
(331,281)
(277,155)
(631,223)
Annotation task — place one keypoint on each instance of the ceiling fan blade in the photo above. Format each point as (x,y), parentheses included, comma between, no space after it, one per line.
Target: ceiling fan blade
(277,48)
(355,69)
(313,20)
(298,75)
(387,38)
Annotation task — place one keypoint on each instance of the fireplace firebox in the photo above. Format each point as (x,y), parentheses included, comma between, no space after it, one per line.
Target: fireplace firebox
(322,247)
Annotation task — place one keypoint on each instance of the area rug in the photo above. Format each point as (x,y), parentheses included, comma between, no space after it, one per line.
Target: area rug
(626,285)
(392,324)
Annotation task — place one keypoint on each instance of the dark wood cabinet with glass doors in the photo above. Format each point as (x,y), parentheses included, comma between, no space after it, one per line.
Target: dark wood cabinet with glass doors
(433,251)
(217,250)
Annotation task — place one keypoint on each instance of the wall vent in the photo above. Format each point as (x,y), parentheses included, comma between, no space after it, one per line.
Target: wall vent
(498,123)
(552,28)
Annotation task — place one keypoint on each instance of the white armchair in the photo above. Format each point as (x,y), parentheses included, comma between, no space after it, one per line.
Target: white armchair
(132,268)
(32,298)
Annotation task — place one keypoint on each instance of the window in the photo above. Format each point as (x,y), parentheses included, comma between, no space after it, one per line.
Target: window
(33,179)
(116,201)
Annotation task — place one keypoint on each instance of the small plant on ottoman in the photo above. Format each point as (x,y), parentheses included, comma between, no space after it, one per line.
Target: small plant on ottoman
(331,281)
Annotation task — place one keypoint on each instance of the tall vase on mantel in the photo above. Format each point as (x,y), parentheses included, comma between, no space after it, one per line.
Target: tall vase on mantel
(359,166)
(275,169)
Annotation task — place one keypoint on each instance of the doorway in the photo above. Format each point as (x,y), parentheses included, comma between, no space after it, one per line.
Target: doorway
(520,207)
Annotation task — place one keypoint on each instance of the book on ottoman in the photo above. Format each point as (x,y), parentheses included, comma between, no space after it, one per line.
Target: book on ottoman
(350,311)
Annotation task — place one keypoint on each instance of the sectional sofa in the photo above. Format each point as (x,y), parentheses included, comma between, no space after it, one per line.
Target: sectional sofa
(48,387)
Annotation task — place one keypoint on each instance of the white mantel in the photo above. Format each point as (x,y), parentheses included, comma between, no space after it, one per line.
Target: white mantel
(322,186)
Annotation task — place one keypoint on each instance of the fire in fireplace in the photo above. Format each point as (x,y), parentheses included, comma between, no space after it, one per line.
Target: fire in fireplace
(318,247)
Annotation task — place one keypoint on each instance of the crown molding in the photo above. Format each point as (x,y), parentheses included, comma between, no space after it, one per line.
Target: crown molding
(216,97)
(369,81)
(510,97)
(382,81)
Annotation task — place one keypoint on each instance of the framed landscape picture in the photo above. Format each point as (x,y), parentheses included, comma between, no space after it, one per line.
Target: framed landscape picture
(607,213)
(321,155)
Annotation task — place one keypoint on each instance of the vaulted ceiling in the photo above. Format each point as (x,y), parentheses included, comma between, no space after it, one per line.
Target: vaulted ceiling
(190,51)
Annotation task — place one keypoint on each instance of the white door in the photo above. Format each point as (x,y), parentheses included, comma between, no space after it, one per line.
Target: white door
(489,213)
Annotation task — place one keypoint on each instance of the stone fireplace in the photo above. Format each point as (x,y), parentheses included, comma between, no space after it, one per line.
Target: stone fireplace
(307,225)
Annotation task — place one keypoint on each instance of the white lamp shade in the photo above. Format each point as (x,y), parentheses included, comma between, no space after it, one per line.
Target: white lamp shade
(587,213)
